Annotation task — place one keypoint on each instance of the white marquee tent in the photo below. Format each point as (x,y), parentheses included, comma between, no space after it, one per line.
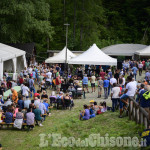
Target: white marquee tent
(61,57)
(94,56)
(11,59)
(144,52)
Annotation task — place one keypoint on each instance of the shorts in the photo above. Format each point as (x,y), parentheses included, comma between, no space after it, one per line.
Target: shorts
(58,86)
(99,89)
(92,84)
(85,85)
(124,96)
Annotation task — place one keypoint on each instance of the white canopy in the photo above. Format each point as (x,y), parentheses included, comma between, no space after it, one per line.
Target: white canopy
(9,57)
(94,56)
(61,57)
(144,52)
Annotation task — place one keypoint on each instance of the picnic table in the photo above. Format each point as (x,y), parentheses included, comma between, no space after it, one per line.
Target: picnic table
(8,92)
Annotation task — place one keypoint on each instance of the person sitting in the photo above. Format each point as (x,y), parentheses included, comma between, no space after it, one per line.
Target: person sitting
(19,119)
(27,102)
(72,89)
(38,115)
(30,118)
(9,115)
(60,100)
(1,115)
(15,109)
(92,112)
(104,108)
(100,107)
(52,98)
(44,95)
(21,102)
(37,94)
(42,107)
(46,106)
(85,114)
(67,100)
(37,100)
(96,107)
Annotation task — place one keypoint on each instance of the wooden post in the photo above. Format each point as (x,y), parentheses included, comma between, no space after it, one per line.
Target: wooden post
(145,122)
(130,109)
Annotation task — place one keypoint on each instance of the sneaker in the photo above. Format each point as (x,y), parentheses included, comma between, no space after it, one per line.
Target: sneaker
(120,116)
(40,125)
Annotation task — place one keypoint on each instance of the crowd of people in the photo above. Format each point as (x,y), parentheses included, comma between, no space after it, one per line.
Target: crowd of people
(33,102)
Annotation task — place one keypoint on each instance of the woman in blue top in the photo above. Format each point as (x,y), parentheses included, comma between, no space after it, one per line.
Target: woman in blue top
(85,114)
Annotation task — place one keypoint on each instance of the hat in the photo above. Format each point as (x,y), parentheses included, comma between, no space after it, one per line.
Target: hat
(91,101)
(60,92)
(0,95)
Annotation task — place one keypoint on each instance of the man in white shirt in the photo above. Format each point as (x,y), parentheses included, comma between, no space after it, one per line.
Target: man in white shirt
(49,74)
(115,96)
(25,90)
(112,81)
(129,92)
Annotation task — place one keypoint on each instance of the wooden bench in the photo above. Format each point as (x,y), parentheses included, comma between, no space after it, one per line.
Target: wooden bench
(12,124)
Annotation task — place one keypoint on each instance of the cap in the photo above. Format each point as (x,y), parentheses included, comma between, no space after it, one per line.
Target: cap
(91,101)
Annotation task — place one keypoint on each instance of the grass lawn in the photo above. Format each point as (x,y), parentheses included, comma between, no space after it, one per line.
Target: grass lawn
(66,123)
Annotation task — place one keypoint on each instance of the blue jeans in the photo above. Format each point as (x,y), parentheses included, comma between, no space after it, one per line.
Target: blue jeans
(124,96)
(109,88)
(135,76)
(32,89)
(106,92)
(114,104)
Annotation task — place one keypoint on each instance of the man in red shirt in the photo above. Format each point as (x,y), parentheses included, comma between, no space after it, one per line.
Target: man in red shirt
(102,74)
(58,84)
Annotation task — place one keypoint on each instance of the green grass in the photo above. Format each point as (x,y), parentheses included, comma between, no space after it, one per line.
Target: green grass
(66,123)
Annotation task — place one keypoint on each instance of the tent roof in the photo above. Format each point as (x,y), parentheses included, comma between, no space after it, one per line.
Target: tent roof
(94,56)
(61,57)
(8,52)
(123,49)
(144,52)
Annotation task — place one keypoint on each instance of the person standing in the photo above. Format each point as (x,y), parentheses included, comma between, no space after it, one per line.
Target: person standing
(85,83)
(140,68)
(106,85)
(92,80)
(102,74)
(135,69)
(31,85)
(115,96)
(58,84)
(100,86)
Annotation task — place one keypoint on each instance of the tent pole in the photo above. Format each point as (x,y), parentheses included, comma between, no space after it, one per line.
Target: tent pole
(66,65)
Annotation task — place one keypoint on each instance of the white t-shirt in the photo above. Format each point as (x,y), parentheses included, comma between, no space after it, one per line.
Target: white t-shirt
(131,86)
(30,70)
(25,91)
(49,74)
(115,91)
(112,81)
(93,79)
(124,81)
